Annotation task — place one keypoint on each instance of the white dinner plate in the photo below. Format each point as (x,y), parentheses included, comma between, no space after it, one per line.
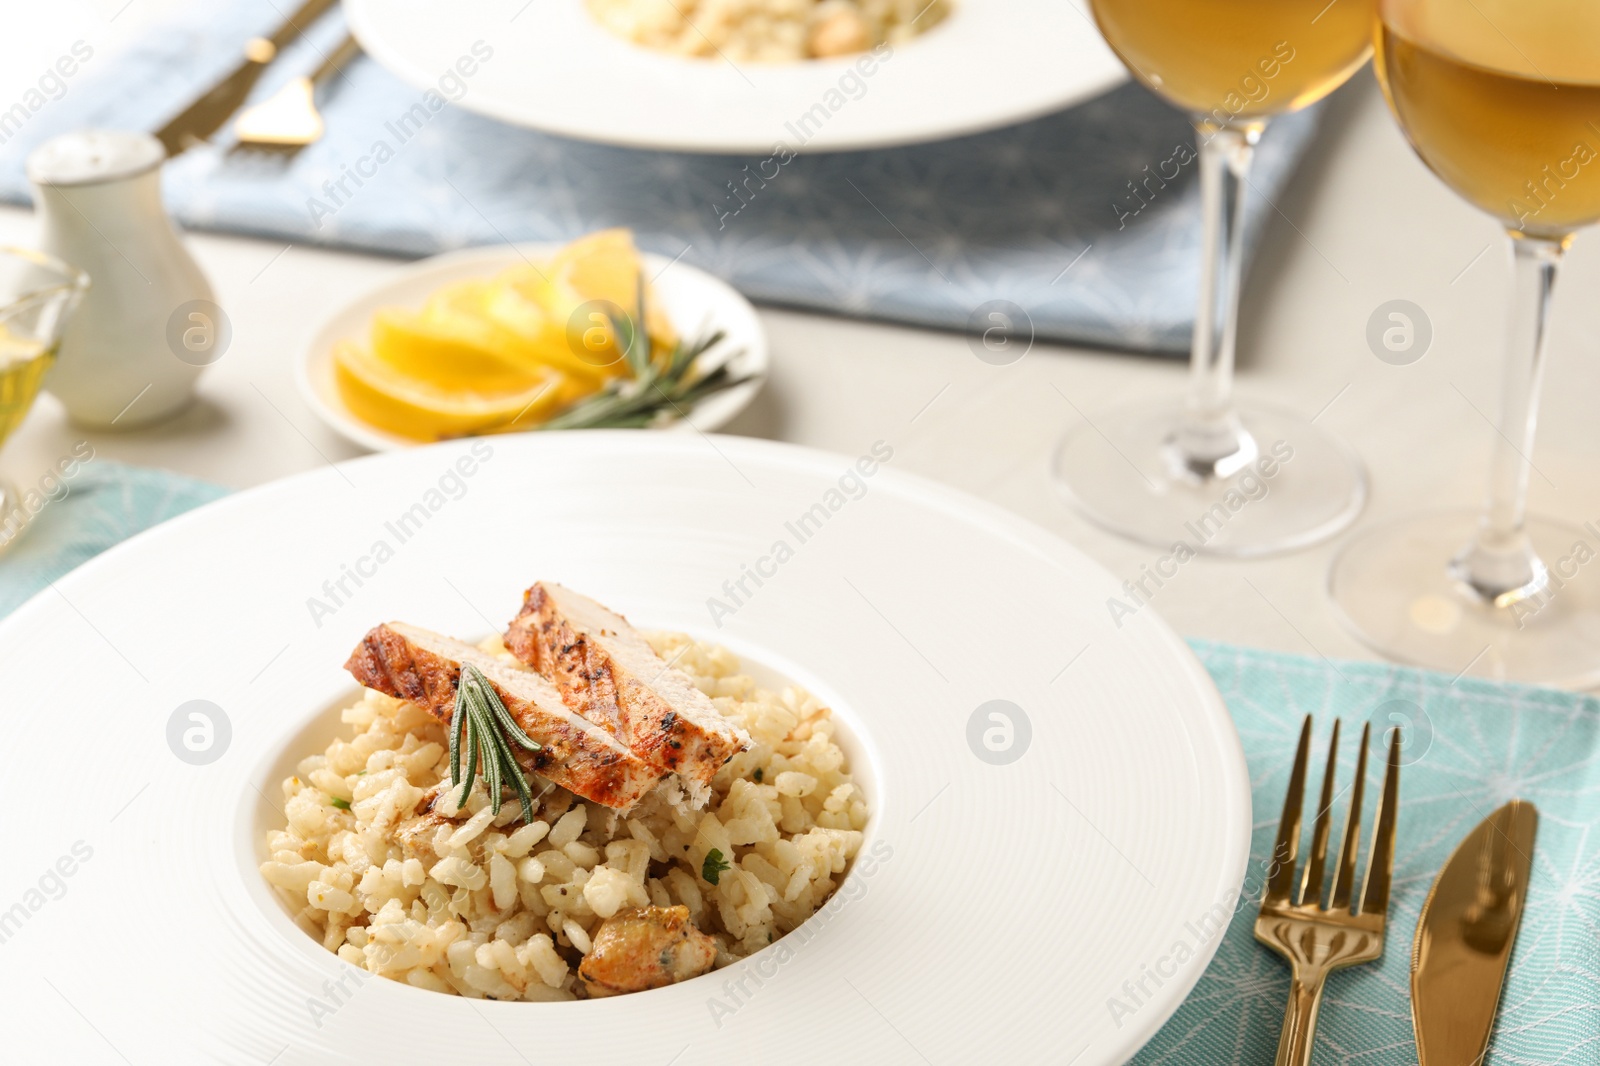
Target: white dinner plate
(553,68)
(695,302)
(1027,869)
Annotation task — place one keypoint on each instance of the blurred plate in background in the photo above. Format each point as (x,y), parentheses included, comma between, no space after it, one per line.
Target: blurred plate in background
(553,68)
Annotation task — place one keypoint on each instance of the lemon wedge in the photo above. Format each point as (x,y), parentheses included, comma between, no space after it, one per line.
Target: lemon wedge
(447,347)
(538,338)
(600,269)
(378,393)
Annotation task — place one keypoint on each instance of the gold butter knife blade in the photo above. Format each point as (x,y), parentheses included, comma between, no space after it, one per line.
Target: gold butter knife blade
(206,114)
(1465,934)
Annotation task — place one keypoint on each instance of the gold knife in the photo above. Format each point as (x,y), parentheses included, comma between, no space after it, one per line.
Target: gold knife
(207,114)
(1465,934)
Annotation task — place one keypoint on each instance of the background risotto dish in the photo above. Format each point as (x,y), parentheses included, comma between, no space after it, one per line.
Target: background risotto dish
(767,31)
(583,899)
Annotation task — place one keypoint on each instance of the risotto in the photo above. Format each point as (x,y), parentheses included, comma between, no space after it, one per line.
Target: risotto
(379,862)
(767,31)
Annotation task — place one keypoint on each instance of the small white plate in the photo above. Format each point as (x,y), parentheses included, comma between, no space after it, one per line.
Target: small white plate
(551,67)
(695,301)
(1060,806)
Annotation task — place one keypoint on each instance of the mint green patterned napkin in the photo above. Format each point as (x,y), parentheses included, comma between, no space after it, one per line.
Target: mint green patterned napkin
(1470,745)
(100,504)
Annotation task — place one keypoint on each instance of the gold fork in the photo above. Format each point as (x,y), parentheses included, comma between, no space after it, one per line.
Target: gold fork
(288,120)
(203,117)
(1293,922)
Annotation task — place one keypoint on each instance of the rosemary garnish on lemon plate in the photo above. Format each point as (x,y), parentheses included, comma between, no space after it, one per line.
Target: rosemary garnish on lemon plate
(490,730)
(655,390)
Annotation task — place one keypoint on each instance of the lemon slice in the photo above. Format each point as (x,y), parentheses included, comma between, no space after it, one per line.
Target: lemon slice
(606,266)
(537,337)
(377,393)
(601,268)
(447,347)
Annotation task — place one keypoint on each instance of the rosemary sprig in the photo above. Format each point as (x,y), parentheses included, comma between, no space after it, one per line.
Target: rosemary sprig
(672,388)
(669,386)
(481,722)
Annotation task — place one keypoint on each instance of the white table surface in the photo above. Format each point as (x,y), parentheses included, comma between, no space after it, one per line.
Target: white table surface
(1364,223)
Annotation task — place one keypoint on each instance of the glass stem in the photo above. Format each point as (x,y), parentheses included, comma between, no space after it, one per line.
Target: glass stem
(1499,565)
(1210,442)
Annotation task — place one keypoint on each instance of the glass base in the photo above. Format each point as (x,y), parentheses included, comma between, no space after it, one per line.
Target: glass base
(1302,486)
(1394,587)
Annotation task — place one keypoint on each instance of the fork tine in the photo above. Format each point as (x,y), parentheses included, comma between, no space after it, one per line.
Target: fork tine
(1344,875)
(1380,863)
(1280,885)
(1311,876)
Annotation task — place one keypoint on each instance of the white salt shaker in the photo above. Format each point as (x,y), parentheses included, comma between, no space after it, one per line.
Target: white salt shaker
(149,325)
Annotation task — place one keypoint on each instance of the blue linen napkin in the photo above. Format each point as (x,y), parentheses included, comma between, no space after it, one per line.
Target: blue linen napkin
(1068,217)
(1470,746)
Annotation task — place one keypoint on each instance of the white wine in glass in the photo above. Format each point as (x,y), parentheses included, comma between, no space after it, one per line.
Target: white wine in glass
(37,295)
(1218,477)
(1501,99)
(1195,53)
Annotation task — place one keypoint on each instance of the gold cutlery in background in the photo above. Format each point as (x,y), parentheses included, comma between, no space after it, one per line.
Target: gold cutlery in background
(288,120)
(1293,922)
(206,115)
(1465,935)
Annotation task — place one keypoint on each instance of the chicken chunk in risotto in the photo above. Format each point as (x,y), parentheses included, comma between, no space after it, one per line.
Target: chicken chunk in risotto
(645,947)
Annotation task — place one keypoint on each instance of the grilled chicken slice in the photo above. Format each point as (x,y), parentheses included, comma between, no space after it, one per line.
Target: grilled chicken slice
(415,835)
(416,831)
(415,664)
(645,947)
(608,673)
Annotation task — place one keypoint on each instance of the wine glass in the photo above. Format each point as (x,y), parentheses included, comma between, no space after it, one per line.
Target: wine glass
(1219,477)
(37,294)
(1501,99)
